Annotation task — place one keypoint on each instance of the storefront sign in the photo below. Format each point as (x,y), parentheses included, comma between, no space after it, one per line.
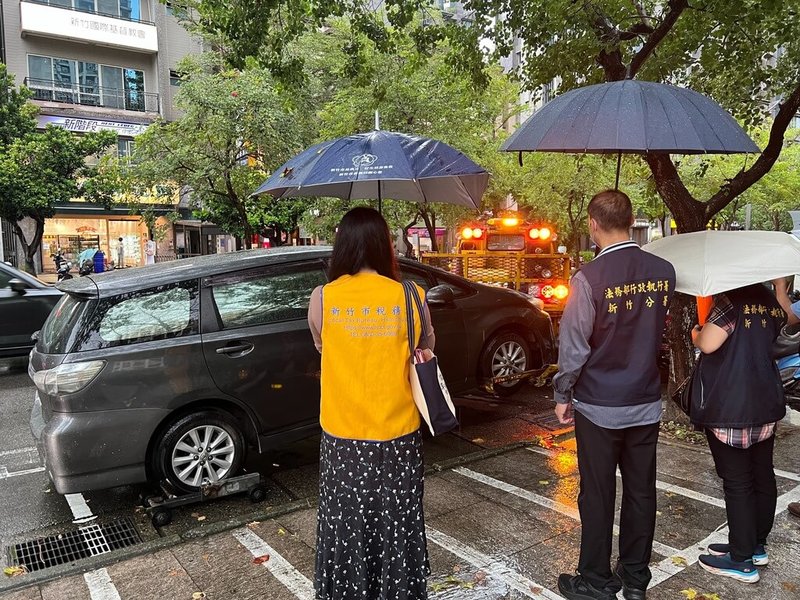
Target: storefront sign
(58,22)
(86,125)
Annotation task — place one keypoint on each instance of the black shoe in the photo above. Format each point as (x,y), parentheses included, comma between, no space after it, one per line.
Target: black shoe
(629,591)
(575,587)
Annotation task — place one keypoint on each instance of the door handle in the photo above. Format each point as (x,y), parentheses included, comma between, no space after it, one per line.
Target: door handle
(236,348)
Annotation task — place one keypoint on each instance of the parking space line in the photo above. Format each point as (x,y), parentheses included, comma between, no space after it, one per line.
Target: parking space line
(5,473)
(80,510)
(297,583)
(100,585)
(545,502)
(492,566)
(662,485)
(667,567)
(787,475)
(18,451)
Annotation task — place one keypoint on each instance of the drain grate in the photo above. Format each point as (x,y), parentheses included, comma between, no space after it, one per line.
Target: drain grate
(547,419)
(86,541)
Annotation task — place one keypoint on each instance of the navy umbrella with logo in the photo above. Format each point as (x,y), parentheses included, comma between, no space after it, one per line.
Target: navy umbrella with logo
(378,165)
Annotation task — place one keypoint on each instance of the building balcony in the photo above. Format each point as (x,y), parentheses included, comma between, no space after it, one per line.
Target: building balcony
(46,90)
(42,18)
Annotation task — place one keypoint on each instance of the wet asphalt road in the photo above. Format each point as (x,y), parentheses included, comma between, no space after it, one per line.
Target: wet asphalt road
(30,508)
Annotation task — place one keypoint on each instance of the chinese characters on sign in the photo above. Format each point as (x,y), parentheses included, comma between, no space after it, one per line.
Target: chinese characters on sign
(87,125)
(94,25)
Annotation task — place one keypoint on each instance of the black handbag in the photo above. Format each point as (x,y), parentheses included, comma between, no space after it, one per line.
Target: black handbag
(682,396)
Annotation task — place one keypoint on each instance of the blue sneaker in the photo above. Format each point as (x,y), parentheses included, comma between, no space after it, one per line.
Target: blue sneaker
(760,556)
(724,565)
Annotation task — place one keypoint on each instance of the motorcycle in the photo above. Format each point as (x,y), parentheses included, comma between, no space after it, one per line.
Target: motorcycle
(63,267)
(787,355)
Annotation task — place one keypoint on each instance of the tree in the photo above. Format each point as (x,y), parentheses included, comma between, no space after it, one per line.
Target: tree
(235,127)
(40,169)
(422,98)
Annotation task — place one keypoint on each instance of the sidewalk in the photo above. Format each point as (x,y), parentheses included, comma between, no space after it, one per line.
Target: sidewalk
(502,527)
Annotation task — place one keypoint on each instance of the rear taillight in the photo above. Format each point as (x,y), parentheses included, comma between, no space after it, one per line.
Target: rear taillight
(550,292)
(477,233)
(68,378)
(561,292)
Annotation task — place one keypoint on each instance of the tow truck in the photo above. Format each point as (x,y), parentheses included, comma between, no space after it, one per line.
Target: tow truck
(511,251)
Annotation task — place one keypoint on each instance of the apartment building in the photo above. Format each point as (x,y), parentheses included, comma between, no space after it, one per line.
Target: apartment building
(97,65)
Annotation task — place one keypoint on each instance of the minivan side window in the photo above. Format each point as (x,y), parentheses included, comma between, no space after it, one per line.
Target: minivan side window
(158,313)
(266,298)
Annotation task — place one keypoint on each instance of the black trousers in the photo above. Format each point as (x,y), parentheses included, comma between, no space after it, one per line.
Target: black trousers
(751,493)
(600,451)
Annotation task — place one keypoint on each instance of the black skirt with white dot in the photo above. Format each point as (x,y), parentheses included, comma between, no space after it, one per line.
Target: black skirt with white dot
(370,527)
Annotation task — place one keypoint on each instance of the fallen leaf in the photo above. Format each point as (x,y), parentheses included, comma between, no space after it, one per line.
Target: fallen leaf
(15,571)
(174,573)
(201,518)
(253,523)
(479,578)
(658,513)
(48,490)
(679,561)
(260,560)
(281,531)
(478,440)
(536,591)
(198,595)
(456,568)
(195,515)
(544,482)
(690,593)
(788,586)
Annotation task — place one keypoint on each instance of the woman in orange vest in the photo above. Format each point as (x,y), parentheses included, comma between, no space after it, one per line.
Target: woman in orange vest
(370,529)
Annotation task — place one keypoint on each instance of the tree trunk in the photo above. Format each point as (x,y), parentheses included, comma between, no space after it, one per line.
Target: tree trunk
(32,248)
(430,223)
(682,317)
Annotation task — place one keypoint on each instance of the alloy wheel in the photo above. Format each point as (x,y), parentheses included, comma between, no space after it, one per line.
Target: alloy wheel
(203,455)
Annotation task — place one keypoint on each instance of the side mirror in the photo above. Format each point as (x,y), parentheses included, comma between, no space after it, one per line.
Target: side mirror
(18,286)
(440,294)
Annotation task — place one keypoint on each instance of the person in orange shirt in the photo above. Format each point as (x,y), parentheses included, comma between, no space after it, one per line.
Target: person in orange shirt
(370,525)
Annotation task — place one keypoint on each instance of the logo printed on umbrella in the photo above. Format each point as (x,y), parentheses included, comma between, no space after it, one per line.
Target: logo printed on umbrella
(364,160)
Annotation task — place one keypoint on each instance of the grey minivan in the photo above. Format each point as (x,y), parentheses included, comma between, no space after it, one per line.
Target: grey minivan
(171,372)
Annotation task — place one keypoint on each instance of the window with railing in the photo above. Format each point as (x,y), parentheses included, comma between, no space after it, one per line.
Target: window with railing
(129,10)
(91,84)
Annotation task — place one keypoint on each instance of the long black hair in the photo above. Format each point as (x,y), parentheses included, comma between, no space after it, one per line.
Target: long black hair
(363,241)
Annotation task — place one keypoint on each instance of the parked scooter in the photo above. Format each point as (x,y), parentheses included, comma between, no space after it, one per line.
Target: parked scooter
(787,355)
(63,267)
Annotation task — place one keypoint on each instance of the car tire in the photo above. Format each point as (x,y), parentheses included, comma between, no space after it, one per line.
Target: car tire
(188,470)
(506,354)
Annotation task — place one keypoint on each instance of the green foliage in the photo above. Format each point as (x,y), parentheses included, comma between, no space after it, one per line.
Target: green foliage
(412,96)
(40,169)
(235,127)
(17,115)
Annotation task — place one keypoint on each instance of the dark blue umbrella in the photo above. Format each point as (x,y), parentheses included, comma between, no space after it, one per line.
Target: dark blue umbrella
(381,164)
(631,117)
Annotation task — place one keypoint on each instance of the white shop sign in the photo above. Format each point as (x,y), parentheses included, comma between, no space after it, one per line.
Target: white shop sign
(81,125)
(85,27)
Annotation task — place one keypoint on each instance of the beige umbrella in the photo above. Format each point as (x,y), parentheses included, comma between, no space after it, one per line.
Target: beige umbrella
(711,262)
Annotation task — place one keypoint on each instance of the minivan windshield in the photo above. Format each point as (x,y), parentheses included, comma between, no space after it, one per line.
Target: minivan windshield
(58,331)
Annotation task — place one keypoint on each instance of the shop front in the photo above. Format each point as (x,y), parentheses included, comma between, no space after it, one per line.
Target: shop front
(73,235)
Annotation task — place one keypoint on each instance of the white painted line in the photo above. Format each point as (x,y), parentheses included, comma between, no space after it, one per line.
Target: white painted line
(676,489)
(100,585)
(5,474)
(667,568)
(662,485)
(80,510)
(18,451)
(492,566)
(297,583)
(787,475)
(545,502)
